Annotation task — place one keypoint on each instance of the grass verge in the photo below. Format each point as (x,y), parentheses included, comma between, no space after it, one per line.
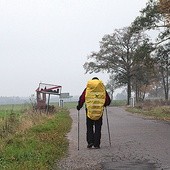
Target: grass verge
(161,112)
(38,145)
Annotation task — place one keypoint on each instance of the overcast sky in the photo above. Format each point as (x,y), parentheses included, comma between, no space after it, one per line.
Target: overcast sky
(49,40)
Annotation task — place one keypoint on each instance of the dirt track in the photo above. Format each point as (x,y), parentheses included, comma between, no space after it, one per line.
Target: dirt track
(137,143)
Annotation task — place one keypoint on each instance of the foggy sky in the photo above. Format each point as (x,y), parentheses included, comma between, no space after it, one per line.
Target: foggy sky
(49,40)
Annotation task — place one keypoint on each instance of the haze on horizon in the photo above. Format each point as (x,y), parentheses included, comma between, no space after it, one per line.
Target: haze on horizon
(49,41)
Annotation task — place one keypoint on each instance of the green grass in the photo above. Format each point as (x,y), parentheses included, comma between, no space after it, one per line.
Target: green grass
(161,112)
(118,103)
(36,145)
(70,105)
(67,105)
(6,110)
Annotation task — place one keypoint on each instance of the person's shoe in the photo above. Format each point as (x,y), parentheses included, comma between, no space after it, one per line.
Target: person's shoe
(90,145)
(97,147)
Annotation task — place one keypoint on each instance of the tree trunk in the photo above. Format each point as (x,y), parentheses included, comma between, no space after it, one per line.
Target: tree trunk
(136,93)
(128,91)
(144,93)
(165,85)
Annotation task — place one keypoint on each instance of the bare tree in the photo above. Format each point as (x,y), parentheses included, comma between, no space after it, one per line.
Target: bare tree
(163,60)
(117,55)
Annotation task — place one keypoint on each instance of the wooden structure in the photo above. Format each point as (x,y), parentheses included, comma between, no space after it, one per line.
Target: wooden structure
(42,91)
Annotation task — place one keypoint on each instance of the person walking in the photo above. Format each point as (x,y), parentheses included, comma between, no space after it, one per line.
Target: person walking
(95,98)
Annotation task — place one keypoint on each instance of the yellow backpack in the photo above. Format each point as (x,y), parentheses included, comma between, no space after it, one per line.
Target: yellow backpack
(95,98)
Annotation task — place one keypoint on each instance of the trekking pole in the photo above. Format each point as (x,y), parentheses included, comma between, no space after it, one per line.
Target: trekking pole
(78,128)
(108,127)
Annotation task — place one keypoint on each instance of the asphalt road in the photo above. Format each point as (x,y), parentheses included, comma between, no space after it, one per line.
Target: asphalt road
(137,143)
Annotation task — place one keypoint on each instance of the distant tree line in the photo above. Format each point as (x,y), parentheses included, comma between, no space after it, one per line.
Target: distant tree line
(13,100)
(135,60)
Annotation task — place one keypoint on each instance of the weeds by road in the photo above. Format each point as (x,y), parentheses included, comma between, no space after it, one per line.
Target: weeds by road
(159,112)
(36,141)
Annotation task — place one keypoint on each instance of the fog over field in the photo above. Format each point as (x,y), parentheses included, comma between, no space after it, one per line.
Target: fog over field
(49,41)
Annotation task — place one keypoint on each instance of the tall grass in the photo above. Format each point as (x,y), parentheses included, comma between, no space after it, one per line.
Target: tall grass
(9,118)
(6,110)
(161,112)
(37,142)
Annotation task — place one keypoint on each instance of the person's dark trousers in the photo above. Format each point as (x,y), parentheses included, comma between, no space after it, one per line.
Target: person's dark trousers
(94,131)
